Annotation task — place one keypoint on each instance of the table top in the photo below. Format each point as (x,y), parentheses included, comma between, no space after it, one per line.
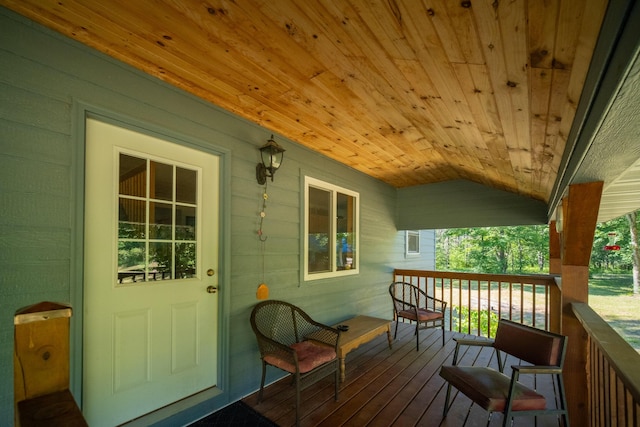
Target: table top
(361,325)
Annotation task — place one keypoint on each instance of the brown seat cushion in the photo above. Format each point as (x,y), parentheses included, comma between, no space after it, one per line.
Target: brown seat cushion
(489,388)
(423,314)
(310,356)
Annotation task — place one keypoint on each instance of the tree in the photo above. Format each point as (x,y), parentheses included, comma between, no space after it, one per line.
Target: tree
(525,249)
(493,249)
(632,218)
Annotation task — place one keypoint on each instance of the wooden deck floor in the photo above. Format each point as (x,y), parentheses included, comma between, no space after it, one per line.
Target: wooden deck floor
(398,387)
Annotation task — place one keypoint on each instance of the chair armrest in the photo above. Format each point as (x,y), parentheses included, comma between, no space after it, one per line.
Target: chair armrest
(481,342)
(524,369)
(468,342)
(438,304)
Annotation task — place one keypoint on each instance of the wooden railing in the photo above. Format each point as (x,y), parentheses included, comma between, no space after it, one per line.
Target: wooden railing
(613,373)
(475,302)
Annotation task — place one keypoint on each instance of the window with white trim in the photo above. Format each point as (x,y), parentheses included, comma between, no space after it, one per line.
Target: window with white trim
(331,232)
(412,242)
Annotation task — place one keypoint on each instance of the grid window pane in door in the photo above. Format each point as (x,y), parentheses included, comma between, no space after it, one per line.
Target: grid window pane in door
(160,220)
(133,176)
(161,187)
(157,203)
(132,216)
(185,190)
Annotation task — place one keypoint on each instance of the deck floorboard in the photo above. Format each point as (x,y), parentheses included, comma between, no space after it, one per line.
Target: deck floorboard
(398,387)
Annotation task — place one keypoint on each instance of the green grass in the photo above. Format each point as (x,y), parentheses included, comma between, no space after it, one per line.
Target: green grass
(611,296)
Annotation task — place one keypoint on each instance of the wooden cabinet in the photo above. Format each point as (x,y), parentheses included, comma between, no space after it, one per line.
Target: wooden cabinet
(41,367)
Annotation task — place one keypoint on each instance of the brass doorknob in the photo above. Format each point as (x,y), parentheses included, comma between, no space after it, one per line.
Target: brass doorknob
(212,289)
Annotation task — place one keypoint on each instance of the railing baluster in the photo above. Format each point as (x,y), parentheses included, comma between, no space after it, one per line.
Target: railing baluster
(547,299)
(521,303)
(512,304)
(468,305)
(459,305)
(533,294)
(489,307)
(459,288)
(499,299)
(450,302)
(479,299)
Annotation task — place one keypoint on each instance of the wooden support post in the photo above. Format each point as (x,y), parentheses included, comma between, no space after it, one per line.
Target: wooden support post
(555,267)
(580,214)
(555,261)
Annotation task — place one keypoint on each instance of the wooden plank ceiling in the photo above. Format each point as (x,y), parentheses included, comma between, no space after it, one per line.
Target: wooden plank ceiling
(407,91)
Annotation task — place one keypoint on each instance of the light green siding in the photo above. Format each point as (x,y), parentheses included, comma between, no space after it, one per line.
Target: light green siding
(47,84)
(462,203)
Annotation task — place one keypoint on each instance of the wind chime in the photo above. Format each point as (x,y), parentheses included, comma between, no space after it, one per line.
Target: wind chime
(271,155)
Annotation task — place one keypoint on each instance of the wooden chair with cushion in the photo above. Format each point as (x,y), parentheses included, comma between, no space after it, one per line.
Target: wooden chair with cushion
(290,340)
(542,353)
(412,303)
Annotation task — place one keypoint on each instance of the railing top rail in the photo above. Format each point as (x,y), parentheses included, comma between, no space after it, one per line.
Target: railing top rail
(621,356)
(542,279)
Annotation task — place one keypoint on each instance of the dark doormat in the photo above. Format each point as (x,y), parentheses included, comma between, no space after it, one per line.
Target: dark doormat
(238,414)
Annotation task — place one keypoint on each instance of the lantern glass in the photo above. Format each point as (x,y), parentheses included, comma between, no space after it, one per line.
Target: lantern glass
(275,160)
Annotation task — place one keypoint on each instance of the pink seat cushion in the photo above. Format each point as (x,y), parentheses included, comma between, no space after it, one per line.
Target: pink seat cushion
(489,388)
(423,314)
(310,356)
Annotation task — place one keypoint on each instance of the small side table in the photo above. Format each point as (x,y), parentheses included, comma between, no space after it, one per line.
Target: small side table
(362,329)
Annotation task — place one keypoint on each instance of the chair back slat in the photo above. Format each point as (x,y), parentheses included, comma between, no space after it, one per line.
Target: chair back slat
(530,344)
(282,322)
(405,296)
(275,321)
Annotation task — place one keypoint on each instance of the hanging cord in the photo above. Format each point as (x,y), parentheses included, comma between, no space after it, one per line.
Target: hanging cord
(261,236)
(263,213)
(262,245)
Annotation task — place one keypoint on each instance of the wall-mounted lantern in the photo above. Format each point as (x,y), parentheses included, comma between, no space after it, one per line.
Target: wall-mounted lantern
(272,155)
(559,219)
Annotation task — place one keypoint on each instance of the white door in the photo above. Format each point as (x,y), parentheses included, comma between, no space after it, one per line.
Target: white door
(151,254)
